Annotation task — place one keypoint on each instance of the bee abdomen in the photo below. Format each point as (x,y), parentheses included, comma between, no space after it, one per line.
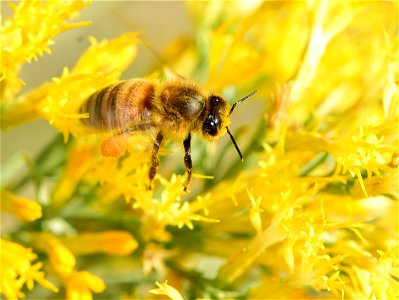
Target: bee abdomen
(119,105)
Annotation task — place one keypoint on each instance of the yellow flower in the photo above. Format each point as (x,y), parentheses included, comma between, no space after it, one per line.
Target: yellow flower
(22,208)
(129,178)
(61,258)
(169,210)
(80,285)
(17,270)
(364,150)
(167,290)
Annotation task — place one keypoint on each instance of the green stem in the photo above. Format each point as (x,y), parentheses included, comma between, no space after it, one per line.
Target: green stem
(46,162)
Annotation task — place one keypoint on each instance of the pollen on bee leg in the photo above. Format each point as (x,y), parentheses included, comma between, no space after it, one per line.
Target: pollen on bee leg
(114,146)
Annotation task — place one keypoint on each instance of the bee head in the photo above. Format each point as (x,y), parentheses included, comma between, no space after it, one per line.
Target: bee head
(216,118)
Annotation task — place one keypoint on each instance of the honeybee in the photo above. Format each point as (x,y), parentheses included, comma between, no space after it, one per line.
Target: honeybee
(163,110)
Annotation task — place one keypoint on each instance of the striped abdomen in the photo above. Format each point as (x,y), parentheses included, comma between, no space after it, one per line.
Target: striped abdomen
(119,105)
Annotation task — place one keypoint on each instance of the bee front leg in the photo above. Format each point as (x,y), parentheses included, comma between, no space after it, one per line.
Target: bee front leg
(187,161)
(155,158)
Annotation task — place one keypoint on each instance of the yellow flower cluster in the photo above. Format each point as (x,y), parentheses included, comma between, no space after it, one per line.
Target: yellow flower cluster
(311,214)
(29,34)
(17,270)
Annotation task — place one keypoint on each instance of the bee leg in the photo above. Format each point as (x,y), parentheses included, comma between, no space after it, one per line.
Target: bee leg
(187,161)
(155,158)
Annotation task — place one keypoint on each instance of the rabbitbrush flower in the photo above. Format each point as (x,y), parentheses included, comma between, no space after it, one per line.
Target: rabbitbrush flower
(312,212)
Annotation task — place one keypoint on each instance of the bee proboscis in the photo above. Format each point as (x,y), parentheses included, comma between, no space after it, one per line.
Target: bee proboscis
(165,110)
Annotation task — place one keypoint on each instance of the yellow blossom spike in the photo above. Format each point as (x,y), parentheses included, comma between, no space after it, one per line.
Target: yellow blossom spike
(167,290)
(23,208)
(110,242)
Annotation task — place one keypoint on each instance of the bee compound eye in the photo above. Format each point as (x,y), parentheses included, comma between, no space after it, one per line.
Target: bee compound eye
(211,125)
(215,99)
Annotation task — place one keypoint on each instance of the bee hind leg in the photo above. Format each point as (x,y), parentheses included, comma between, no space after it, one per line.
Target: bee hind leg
(187,161)
(155,159)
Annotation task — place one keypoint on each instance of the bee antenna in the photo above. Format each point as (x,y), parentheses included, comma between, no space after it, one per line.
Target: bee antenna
(235,144)
(241,100)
